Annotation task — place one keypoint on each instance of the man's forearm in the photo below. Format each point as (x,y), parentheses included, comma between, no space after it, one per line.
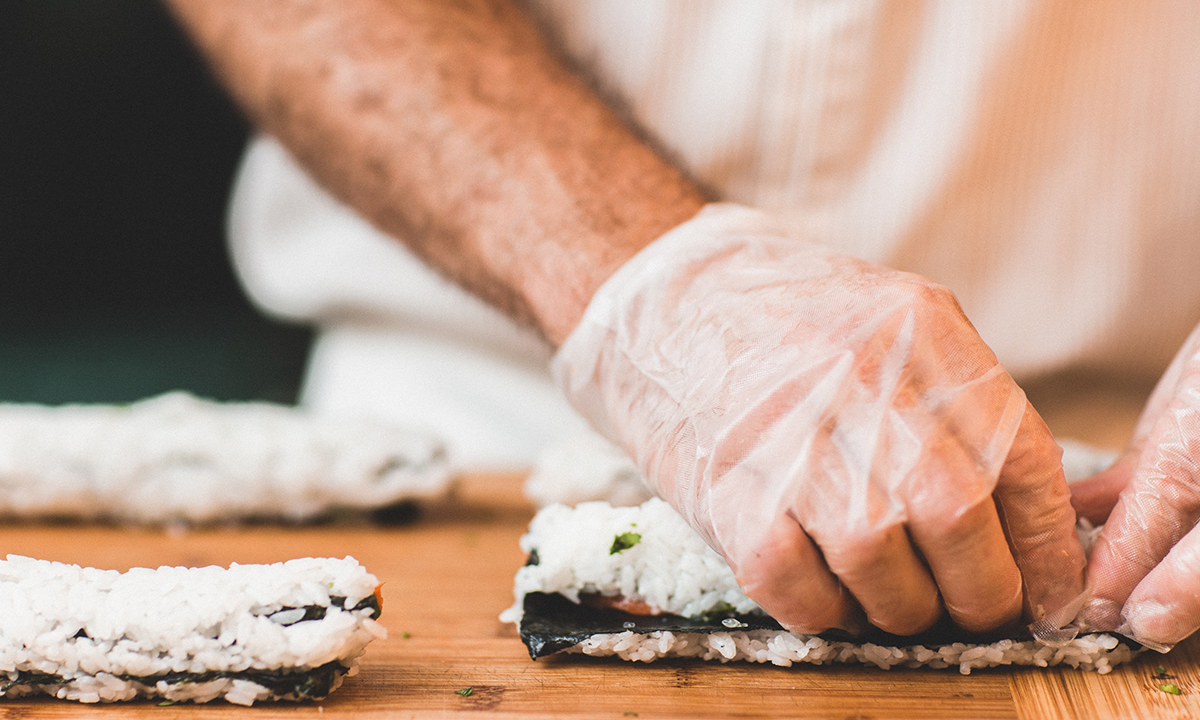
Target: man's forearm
(454,127)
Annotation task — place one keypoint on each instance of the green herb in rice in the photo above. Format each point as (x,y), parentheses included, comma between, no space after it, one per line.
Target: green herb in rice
(718,611)
(624,541)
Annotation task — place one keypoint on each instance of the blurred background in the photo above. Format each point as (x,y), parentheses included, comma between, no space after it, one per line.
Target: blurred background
(118,151)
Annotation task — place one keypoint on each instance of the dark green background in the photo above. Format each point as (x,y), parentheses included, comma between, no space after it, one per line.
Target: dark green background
(117,151)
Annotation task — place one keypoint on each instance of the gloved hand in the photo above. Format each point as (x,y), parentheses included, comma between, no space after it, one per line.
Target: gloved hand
(836,430)
(1144,572)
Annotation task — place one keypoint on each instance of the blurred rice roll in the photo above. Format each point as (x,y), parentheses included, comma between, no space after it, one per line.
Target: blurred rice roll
(247,633)
(178,458)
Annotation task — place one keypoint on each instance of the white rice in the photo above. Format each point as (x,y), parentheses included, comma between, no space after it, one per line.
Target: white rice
(100,635)
(1100,653)
(178,458)
(671,569)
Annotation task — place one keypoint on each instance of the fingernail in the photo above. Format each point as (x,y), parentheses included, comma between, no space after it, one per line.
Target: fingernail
(1100,614)
(853,624)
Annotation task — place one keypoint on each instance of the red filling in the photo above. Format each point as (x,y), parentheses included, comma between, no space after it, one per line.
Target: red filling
(619,602)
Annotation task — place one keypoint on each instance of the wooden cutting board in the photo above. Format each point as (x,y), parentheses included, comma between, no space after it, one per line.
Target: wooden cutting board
(449,575)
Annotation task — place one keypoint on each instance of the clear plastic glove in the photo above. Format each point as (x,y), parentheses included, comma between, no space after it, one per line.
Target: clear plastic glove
(1144,572)
(836,430)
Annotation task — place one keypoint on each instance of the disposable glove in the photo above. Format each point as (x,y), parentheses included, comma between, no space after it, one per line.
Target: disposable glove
(835,429)
(1144,572)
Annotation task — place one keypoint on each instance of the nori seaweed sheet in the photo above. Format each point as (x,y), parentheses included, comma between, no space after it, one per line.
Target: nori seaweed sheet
(317,612)
(553,623)
(312,684)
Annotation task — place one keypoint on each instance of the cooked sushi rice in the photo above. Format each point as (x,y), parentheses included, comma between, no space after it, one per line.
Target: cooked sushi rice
(179,458)
(647,558)
(246,633)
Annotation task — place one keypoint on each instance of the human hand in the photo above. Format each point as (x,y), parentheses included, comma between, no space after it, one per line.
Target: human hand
(1144,572)
(836,430)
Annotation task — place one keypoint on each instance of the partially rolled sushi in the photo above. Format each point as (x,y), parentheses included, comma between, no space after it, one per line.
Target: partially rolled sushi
(639,584)
(177,457)
(247,633)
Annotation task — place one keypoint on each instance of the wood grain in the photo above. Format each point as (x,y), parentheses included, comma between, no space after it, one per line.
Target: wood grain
(448,576)
(446,580)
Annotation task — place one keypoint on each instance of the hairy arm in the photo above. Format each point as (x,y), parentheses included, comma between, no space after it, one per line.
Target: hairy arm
(454,127)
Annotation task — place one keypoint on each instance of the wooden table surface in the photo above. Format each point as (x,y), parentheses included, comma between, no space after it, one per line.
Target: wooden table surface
(449,575)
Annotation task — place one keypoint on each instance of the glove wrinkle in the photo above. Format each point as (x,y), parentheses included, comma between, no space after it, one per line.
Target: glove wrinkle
(792,403)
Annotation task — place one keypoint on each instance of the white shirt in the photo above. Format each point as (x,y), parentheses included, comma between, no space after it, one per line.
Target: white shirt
(1041,159)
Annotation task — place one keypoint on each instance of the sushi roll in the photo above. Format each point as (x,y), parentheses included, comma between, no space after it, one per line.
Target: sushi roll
(178,458)
(246,633)
(639,584)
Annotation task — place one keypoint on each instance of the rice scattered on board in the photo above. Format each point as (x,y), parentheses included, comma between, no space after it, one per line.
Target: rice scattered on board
(671,569)
(246,633)
(179,458)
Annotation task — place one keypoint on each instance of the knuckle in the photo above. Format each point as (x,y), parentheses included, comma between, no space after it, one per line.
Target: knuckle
(799,595)
(922,292)
(948,518)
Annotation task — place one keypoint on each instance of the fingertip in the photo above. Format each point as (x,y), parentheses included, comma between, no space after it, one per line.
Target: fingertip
(1155,625)
(1052,578)
(972,563)
(1110,582)
(883,572)
(915,619)
(1039,520)
(787,576)
(1164,607)
(1100,614)
(847,617)
(990,616)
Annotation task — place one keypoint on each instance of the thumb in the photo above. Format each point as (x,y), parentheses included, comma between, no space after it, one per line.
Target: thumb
(1159,505)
